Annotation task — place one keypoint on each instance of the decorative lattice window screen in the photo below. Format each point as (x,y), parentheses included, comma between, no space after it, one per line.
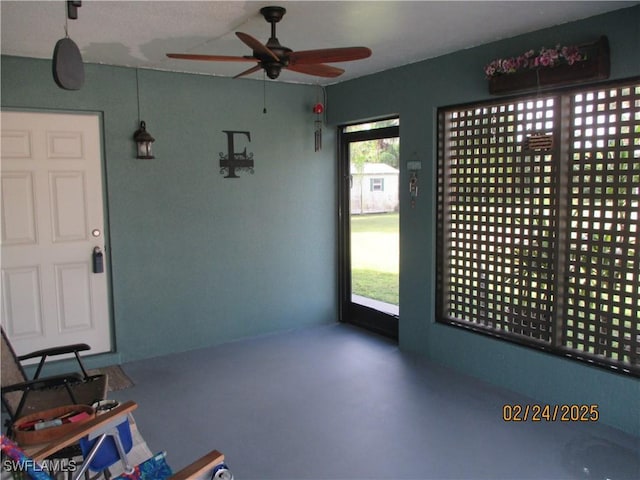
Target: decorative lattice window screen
(601,315)
(538,228)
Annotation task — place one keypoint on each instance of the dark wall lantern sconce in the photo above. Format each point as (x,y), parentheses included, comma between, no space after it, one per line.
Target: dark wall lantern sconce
(144,140)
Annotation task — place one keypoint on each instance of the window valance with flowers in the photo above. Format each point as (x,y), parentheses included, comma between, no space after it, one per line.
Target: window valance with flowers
(549,67)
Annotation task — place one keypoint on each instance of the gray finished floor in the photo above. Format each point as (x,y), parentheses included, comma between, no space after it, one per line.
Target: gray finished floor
(335,402)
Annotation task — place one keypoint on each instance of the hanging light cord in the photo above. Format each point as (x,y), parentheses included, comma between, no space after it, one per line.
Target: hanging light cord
(138,94)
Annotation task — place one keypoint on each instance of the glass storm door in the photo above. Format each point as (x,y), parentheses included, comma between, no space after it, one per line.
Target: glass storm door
(369,225)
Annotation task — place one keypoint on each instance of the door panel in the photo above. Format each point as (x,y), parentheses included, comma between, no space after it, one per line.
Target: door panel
(19,221)
(21,299)
(52,201)
(68,206)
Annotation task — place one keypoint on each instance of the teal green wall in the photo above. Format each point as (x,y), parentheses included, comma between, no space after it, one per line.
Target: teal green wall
(415,92)
(198,259)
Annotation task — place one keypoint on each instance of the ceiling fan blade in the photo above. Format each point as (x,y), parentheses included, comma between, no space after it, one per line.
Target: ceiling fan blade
(210,58)
(317,69)
(249,71)
(329,55)
(255,45)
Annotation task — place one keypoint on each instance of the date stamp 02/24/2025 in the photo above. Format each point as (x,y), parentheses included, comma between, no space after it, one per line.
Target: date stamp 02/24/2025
(550,413)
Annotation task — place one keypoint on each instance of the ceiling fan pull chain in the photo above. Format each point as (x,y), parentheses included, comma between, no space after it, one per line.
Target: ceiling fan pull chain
(264,92)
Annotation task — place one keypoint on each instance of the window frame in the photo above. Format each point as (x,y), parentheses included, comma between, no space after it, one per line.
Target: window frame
(376,184)
(562,130)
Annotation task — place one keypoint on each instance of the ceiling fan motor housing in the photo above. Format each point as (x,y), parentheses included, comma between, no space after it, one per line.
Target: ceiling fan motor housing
(273,15)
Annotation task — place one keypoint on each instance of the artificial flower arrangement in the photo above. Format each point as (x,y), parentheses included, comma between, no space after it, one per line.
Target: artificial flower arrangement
(547,57)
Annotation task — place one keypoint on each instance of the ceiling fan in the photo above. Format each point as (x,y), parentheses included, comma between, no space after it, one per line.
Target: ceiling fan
(273,57)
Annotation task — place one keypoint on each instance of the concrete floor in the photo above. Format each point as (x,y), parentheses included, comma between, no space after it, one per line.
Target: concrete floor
(335,402)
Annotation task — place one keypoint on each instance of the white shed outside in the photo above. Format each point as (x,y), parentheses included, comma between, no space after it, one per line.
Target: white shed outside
(374,189)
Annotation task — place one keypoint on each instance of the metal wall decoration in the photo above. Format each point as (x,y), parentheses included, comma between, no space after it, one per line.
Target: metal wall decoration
(318,108)
(235,161)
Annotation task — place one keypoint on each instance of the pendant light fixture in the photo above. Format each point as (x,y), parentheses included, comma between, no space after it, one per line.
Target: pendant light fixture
(144,140)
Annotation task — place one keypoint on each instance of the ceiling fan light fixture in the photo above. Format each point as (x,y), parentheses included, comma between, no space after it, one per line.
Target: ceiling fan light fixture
(272,69)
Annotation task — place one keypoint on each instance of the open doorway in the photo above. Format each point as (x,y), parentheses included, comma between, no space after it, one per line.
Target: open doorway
(369,225)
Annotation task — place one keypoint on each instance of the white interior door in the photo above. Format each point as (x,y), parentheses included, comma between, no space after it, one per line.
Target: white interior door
(52,219)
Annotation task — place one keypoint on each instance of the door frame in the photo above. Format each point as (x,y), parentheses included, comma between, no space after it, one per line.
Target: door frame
(348,312)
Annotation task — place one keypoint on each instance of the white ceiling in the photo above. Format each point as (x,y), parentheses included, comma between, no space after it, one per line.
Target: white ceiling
(139,33)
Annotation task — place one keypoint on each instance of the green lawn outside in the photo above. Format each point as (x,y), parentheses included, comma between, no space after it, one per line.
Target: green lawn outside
(375,253)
